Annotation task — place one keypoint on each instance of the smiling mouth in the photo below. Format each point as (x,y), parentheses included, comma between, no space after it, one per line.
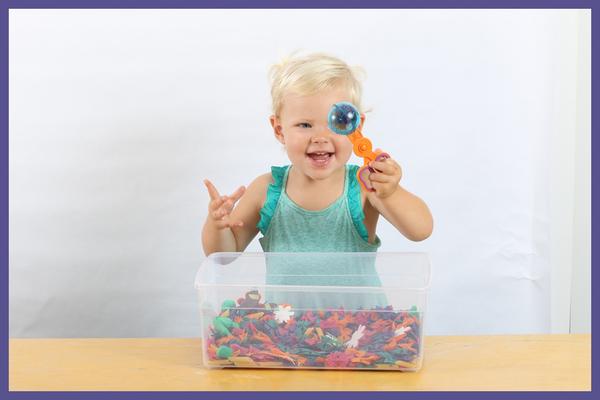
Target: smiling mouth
(320,156)
(320,159)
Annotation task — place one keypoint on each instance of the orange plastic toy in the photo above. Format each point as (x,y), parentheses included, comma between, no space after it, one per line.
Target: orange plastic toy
(344,119)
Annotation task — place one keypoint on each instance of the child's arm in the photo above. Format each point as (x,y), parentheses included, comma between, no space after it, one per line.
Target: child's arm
(232,229)
(408,213)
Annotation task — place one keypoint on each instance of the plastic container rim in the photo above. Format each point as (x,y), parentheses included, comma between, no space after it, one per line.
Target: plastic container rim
(423,288)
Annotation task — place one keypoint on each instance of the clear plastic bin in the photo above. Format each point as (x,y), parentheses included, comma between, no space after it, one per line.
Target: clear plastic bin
(313,310)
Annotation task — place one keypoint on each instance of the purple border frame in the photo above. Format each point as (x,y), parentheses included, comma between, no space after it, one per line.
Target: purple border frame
(5,5)
(296,4)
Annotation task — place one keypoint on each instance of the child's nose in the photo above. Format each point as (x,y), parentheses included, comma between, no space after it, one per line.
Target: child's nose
(319,139)
(322,135)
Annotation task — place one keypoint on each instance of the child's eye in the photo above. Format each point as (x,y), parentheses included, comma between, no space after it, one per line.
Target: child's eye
(304,125)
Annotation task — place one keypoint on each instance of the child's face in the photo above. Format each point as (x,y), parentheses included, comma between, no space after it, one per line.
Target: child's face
(310,144)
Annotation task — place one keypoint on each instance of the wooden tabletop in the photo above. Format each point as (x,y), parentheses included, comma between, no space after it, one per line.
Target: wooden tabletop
(523,362)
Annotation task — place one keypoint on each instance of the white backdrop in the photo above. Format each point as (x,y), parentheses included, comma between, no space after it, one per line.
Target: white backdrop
(116,116)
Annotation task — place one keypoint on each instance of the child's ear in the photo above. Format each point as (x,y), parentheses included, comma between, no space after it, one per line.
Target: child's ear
(276,124)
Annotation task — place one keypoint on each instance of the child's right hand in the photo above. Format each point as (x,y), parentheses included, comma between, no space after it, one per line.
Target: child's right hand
(220,207)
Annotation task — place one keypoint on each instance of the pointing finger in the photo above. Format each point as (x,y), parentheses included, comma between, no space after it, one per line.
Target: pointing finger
(235,196)
(212,190)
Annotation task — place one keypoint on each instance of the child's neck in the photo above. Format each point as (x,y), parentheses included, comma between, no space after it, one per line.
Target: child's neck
(315,194)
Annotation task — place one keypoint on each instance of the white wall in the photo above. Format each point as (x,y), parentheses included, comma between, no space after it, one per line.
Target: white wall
(116,116)
(582,216)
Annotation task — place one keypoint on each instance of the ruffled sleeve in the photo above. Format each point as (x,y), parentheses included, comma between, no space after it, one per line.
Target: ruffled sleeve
(354,202)
(273,193)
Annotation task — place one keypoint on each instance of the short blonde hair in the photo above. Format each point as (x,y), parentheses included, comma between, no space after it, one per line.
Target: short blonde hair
(311,73)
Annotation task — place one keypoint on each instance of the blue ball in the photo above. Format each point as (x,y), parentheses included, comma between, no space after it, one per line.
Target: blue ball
(343,118)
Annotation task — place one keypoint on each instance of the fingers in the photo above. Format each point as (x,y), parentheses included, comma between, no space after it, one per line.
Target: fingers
(221,217)
(216,204)
(220,207)
(214,193)
(380,178)
(225,223)
(235,196)
(236,224)
(387,166)
(228,205)
(219,213)
(212,190)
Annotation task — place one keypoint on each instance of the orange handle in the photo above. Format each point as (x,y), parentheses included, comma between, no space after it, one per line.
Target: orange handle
(362,147)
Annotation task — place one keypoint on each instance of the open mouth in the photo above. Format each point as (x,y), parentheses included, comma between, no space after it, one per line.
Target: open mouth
(320,158)
(321,155)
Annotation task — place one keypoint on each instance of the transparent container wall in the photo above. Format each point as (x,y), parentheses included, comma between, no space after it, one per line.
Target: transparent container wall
(314,310)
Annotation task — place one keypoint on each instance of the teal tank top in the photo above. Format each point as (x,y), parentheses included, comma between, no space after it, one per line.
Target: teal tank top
(287,227)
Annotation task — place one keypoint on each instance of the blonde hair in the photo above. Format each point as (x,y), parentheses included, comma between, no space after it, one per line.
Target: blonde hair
(311,73)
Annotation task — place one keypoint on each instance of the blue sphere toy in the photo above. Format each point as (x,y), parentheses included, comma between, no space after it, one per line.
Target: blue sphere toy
(343,118)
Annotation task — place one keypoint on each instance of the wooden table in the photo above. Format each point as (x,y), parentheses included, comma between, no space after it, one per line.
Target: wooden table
(523,362)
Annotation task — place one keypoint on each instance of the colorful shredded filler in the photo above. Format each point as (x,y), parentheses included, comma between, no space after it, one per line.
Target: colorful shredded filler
(248,333)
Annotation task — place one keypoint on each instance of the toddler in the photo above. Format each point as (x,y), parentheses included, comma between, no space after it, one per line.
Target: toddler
(315,204)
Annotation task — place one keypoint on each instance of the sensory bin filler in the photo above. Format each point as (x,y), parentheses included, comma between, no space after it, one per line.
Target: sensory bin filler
(364,311)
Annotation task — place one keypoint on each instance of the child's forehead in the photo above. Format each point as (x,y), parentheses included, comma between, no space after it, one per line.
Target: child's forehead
(317,94)
(317,101)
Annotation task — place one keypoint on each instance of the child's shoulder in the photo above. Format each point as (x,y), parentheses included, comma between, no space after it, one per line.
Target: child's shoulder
(257,189)
(275,176)
(262,181)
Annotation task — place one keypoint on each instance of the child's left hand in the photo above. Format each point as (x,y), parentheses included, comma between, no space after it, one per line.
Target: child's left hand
(386,178)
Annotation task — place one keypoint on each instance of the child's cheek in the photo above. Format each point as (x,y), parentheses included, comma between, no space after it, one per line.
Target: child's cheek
(344,147)
(296,148)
